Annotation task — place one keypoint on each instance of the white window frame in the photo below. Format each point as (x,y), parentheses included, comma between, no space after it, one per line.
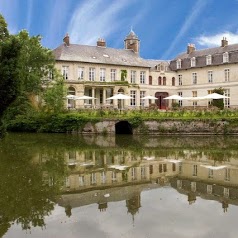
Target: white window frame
(225,57)
(208,60)
(210,173)
(227,100)
(91,74)
(113,75)
(80,73)
(179,63)
(193,186)
(195,170)
(193,62)
(133,76)
(210,76)
(142,101)
(81,181)
(180,80)
(194,78)
(133,99)
(142,77)
(65,72)
(93,178)
(102,75)
(227,174)
(209,189)
(227,75)
(180,101)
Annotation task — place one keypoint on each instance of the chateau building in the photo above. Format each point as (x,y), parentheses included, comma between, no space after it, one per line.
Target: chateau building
(100,72)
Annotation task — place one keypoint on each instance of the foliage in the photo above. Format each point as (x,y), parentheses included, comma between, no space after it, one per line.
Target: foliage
(218,102)
(123,74)
(9,83)
(35,63)
(3,29)
(53,96)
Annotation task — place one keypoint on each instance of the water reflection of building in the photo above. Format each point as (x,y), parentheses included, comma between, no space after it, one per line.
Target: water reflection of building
(96,172)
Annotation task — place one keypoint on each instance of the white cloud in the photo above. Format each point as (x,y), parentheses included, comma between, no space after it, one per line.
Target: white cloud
(215,40)
(96,19)
(197,9)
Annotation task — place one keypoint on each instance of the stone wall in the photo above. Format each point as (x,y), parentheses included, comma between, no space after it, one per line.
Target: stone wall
(167,127)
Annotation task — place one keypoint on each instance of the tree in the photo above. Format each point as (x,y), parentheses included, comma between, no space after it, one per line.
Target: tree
(3,29)
(53,96)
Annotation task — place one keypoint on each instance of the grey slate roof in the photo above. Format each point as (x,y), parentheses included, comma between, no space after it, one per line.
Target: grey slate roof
(200,55)
(99,55)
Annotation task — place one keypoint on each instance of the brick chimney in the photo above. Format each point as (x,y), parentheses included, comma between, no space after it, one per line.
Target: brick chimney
(101,42)
(190,48)
(224,42)
(66,40)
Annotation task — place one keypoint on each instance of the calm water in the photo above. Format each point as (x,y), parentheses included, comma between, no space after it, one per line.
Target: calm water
(127,186)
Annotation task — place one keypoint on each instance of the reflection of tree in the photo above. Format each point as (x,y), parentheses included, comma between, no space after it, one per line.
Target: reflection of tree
(24,196)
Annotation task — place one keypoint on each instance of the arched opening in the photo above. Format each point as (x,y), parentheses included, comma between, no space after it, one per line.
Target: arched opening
(123,127)
(164,80)
(150,80)
(71,102)
(173,81)
(159,80)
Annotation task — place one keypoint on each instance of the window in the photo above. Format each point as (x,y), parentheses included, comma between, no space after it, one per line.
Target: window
(81,181)
(227,100)
(225,57)
(210,76)
(113,75)
(114,176)
(67,182)
(179,63)
(227,75)
(143,174)
(133,100)
(102,75)
(133,76)
(80,73)
(93,178)
(210,173)
(133,173)
(180,101)
(142,77)
(180,81)
(65,72)
(173,167)
(179,184)
(103,177)
(208,60)
(193,62)
(195,94)
(91,74)
(227,174)
(159,80)
(142,101)
(164,80)
(209,189)
(173,81)
(194,78)
(226,192)
(150,80)
(193,186)
(195,170)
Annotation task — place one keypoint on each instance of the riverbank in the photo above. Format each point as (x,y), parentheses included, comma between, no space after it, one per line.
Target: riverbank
(139,122)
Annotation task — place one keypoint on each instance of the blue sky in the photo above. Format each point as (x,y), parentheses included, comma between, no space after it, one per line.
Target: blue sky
(165,27)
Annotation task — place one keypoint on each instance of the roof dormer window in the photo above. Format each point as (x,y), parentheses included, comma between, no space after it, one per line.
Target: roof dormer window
(193,62)
(208,60)
(179,63)
(225,57)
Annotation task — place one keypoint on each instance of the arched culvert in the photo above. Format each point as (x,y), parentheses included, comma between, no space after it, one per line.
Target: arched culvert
(123,127)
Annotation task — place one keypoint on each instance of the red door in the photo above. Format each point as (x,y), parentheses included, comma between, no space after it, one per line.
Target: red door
(161,103)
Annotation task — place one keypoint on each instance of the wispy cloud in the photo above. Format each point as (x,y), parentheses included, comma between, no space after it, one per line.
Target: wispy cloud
(93,19)
(196,11)
(29,14)
(215,40)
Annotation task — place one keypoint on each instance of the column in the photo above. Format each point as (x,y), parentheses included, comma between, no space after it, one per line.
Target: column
(93,95)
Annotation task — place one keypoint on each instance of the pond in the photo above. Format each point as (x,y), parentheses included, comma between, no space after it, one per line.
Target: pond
(60,185)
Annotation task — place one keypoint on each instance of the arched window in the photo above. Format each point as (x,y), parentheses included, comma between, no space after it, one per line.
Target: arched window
(71,91)
(173,81)
(159,80)
(150,80)
(164,80)
(71,102)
